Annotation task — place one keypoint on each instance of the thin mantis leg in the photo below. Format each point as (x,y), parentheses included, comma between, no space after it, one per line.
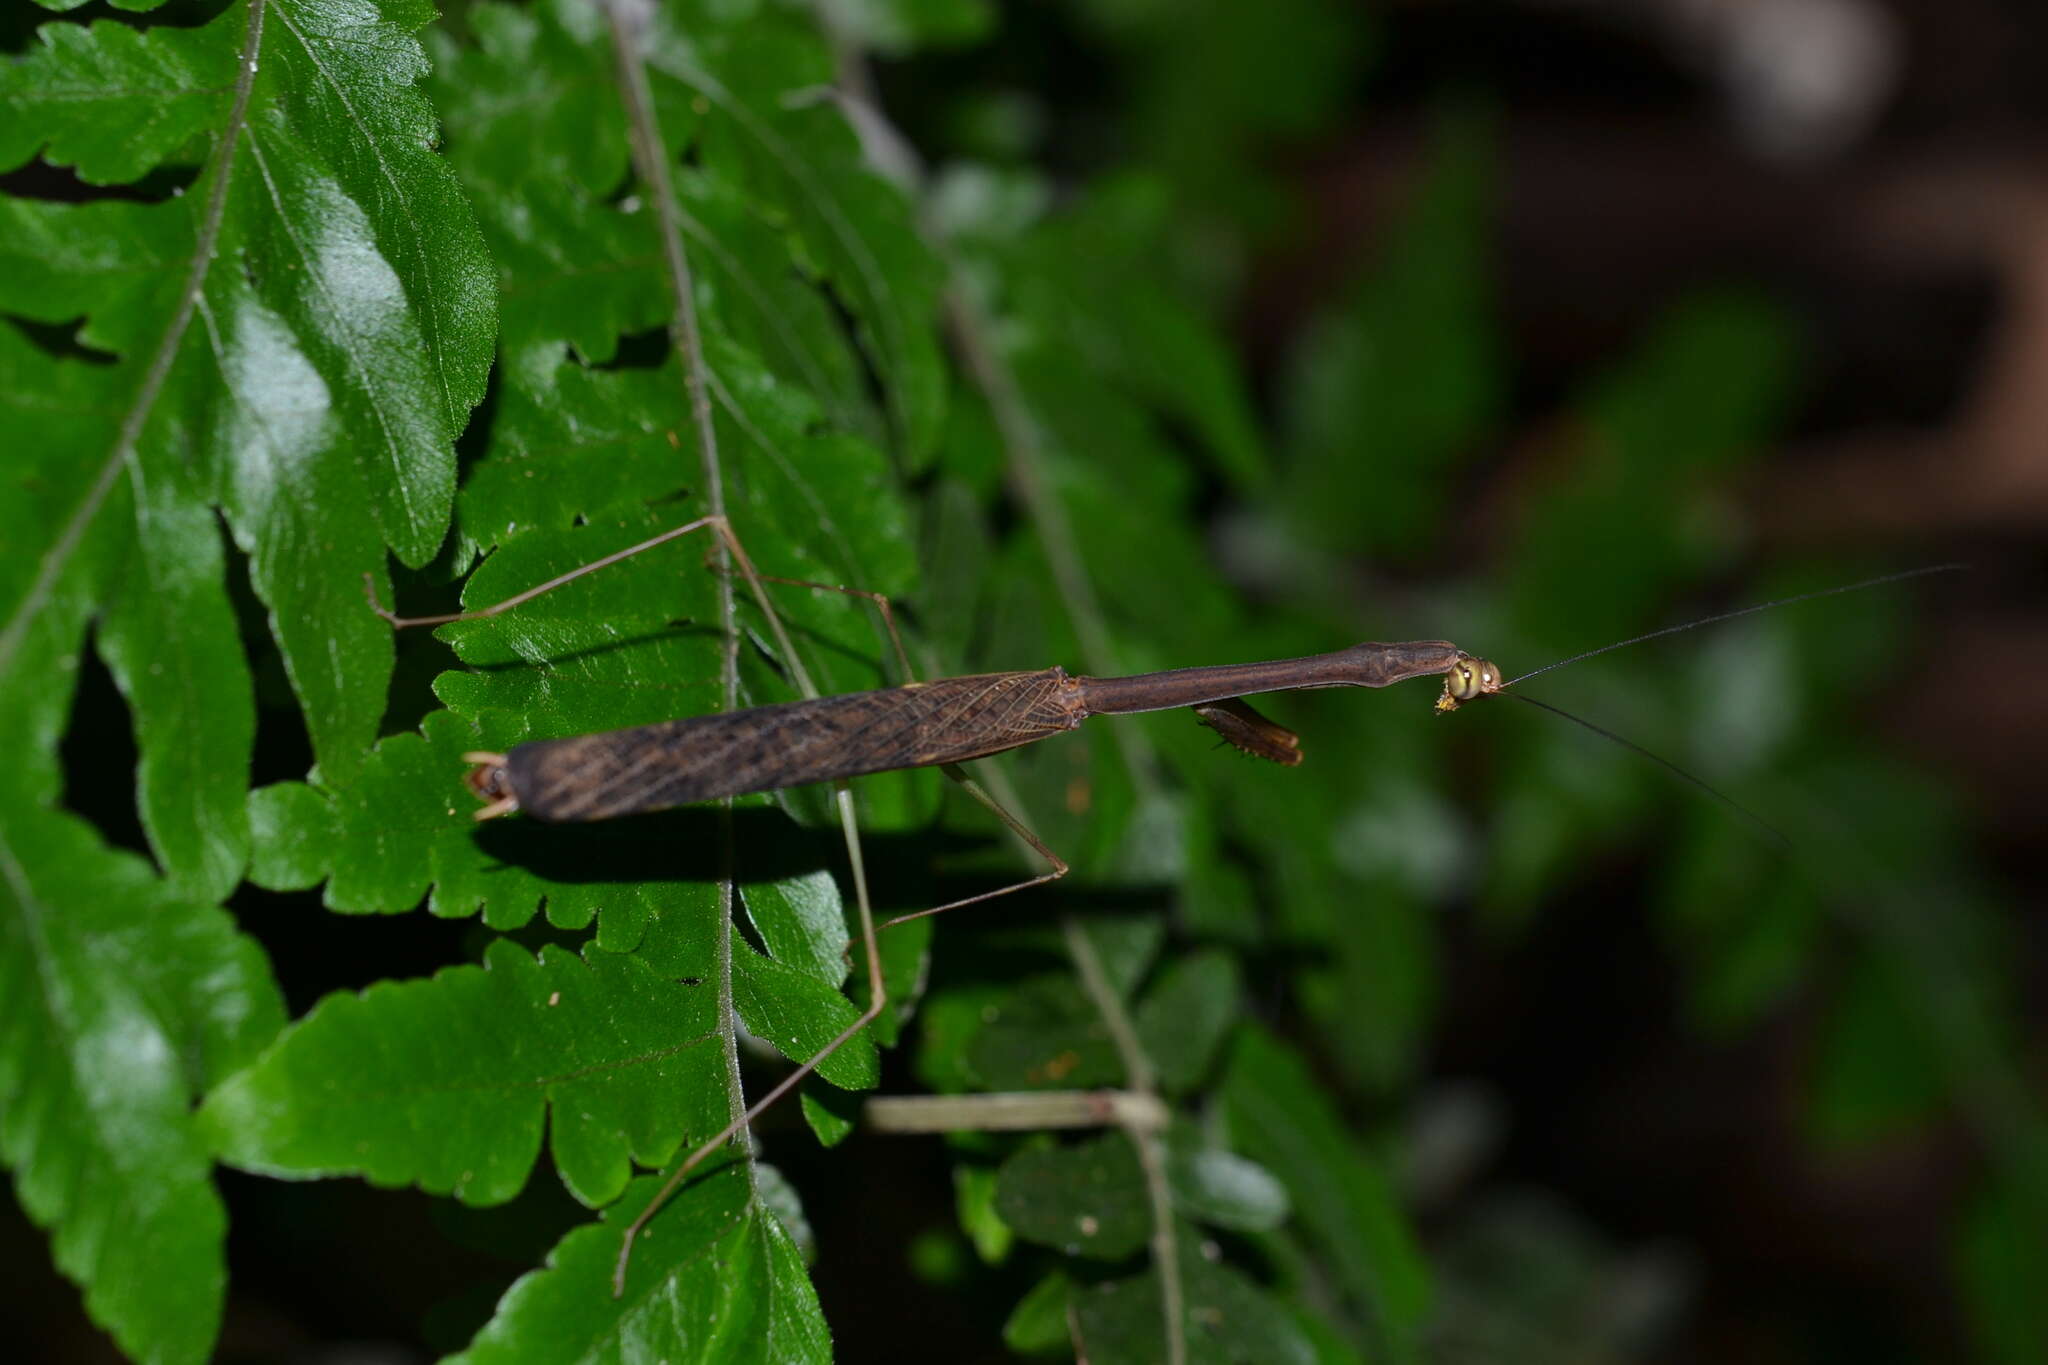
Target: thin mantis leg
(877,989)
(714,522)
(1056,865)
(878,997)
(881,604)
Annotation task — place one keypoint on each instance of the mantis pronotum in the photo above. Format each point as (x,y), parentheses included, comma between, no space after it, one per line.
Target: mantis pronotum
(941,723)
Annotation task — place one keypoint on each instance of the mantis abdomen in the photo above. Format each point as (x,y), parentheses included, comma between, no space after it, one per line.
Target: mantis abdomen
(764,748)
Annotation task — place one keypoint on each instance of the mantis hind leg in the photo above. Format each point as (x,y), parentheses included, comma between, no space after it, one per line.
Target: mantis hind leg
(877,988)
(880,602)
(878,997)
(1056,866)
(717,524)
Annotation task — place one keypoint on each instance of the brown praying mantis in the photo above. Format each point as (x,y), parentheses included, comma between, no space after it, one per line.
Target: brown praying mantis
(942,723)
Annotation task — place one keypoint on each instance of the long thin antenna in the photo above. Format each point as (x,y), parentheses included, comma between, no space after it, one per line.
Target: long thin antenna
(1731,615)
(1777,838)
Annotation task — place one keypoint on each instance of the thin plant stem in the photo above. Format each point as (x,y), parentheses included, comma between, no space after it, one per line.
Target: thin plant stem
(1008,1110)
(1141,1079)
(652,164)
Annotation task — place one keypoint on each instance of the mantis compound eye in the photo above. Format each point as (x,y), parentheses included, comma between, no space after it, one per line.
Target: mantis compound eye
(1466,679)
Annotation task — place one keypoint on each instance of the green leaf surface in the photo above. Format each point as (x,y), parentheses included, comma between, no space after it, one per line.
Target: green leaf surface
(1186,1014)
(1038,1324)
(974,1203)
(606,650)
(798,1015)
(1087,1199)
(801,924)
(839,217)
(119,1001)
(780,1198)
(1391,389)
(714,1277)
(906,952)
(151,575)
(296,338)
(831,1115)
(447,1084)
(1877,1074)
(1090,278)
(1700,394)
(1221,1188)
(1749,933)
(948,1026)
(1126,947)
(1376,997)
(1997,1252)
(406,830)
(1281,1118)
(577,462)
(899,26)
(1216,86)
(1226,1317)
(1044,1035)
(113,101)
(776,177)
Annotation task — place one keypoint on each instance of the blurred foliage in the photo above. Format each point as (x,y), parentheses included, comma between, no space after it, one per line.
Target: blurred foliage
(375,290)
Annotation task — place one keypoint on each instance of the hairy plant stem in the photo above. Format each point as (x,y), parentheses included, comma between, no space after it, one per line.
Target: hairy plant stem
(651,162)
(699,383)
(1141,1080)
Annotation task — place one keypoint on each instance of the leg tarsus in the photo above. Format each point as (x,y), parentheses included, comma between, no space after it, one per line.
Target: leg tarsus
(1054,875)
(717,523)
(877,993)
(1057,865)
(732,1130)
(1010,822)
(878,999)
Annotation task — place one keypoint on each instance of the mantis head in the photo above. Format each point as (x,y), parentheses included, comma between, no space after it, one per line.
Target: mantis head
(1466,679)
(488,780)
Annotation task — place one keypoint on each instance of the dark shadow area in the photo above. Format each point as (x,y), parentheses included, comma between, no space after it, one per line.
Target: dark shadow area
(648,350)
(61,185)
(1664,1138)
(315,951)
(60,340)
(283,750)
(394,1272)
(99,756)
(904,870)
